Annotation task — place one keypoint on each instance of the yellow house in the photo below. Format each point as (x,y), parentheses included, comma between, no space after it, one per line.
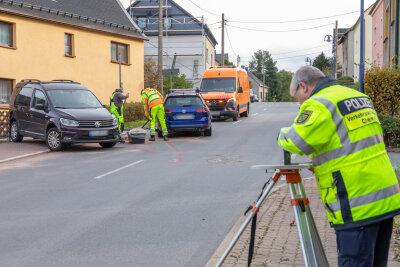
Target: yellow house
(77,40)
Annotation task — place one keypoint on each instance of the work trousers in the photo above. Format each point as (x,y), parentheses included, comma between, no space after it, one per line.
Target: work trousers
(118,112)
(366,246)
(158,112)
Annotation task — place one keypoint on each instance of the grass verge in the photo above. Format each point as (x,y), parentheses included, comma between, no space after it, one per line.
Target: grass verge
(134,124)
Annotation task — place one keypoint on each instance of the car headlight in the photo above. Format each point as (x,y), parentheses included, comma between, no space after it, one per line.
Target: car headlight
(67,122)
(115,122)
(231,102)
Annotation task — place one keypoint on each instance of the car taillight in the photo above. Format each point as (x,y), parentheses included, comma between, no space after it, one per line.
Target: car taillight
(202,110)
(167,111)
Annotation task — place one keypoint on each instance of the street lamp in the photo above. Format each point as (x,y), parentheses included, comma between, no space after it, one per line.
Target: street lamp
(329,38)
(308,60)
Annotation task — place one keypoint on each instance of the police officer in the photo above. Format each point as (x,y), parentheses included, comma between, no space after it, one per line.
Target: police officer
(340,131)
(117,108)
(153,104)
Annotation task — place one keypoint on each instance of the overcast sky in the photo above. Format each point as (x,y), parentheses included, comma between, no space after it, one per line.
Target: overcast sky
(289,47)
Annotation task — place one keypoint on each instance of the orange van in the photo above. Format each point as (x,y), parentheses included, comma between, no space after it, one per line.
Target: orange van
(226,92)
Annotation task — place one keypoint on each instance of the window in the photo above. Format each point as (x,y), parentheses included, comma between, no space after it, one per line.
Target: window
(212,60)
(39,98)
(387,22)
(24,97)
(69,44)
(5,91)
(142,23)
(167,23)
(206,55)
(119,49)
(195,69)
(6,34)
(374,36)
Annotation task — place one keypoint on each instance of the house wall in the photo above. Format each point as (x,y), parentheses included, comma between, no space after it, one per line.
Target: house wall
(377,35)
(189,45)
(39,54)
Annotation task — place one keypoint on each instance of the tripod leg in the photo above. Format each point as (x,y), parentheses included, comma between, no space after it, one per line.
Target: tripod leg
(252,240)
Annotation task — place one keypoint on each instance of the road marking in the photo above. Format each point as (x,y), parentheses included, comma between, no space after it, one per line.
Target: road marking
(116,170)
(236,122)
(255,114)
(24,156)
(265,109)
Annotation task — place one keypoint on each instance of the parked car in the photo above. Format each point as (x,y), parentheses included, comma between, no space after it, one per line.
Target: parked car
(60,112)
(186,110)
(251,96)
(255,98)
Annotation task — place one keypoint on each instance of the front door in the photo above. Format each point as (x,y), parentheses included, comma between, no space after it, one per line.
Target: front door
(38,117)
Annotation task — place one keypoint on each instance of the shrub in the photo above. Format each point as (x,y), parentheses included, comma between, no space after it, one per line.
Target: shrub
(391,130)
(383,86)
(346,81)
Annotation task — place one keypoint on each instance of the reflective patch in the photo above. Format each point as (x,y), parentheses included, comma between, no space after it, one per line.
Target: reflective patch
(304,116)
(361,118)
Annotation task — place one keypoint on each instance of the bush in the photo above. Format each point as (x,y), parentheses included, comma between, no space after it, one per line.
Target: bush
(391,130)
(133,112)
(346,81)
(383,86)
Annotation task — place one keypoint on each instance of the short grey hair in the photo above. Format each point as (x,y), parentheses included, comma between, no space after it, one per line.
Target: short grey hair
(306,74)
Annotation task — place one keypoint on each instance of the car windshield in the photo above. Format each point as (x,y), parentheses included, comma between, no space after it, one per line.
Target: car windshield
(183,101)
(218,84)
(79,99)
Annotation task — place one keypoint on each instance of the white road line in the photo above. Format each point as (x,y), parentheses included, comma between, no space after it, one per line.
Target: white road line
(116,170)
(265,109)
(236,122)
(24,156)
(255,114)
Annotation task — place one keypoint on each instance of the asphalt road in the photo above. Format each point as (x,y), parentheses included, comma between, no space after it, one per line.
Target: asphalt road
(158,204)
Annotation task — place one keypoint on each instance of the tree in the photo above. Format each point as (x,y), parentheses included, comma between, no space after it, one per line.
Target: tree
(227,62)
(264,67)
(323,63)
(284,80)
(176,82)
(150,74)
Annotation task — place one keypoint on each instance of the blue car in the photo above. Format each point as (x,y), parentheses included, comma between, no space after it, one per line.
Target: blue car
(186,110)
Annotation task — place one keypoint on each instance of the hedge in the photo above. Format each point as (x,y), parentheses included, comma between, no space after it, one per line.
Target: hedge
(133,111)
(382,85)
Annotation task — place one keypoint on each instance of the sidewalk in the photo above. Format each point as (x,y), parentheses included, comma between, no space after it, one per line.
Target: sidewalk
(277,240)
(27,147)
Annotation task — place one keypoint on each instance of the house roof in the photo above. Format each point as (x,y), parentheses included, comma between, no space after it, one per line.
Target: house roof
(183,23)
(255,79)
(109,16)
(374,6)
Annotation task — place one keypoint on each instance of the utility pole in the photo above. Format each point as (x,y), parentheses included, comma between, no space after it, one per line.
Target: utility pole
(238,61)
(361,75)
(335,40)
(223,41)
(160,46)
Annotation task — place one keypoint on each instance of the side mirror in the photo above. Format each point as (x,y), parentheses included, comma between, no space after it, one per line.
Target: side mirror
(40,107)
(240,90)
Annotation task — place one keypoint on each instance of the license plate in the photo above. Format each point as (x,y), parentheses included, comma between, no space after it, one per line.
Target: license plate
(184,116)
(98,133)
(215,113)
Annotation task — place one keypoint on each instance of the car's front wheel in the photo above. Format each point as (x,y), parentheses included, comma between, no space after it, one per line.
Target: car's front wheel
(108,145)
(236,116)
(14,133)
(53,140)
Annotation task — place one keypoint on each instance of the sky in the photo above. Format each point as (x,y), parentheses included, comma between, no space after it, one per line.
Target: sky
(291,30)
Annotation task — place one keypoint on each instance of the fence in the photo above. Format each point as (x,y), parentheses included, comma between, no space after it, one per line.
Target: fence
(4,123)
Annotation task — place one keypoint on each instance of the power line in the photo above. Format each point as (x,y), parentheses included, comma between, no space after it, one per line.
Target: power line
(291,21)
(204,9)
(302,55)
(293,30)
(299,50)
(229,39)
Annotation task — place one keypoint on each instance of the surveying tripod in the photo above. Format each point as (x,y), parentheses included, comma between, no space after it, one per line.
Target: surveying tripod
(313,251)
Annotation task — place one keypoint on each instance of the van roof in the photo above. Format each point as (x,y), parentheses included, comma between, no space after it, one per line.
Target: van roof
(221,72)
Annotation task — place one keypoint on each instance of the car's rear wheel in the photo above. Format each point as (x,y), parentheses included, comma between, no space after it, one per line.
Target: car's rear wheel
(14,133)
(53,140)
(108,145)
(208,132)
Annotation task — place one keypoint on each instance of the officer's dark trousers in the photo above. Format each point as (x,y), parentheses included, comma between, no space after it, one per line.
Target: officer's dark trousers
(366,246)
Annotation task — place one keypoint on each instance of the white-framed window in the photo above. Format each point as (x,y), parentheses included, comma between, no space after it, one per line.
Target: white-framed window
(206,55)
(374,36)
(5,91)
(167,23)
(195,69)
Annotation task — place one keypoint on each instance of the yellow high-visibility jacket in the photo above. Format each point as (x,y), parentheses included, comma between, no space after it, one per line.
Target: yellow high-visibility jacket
(339,129)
